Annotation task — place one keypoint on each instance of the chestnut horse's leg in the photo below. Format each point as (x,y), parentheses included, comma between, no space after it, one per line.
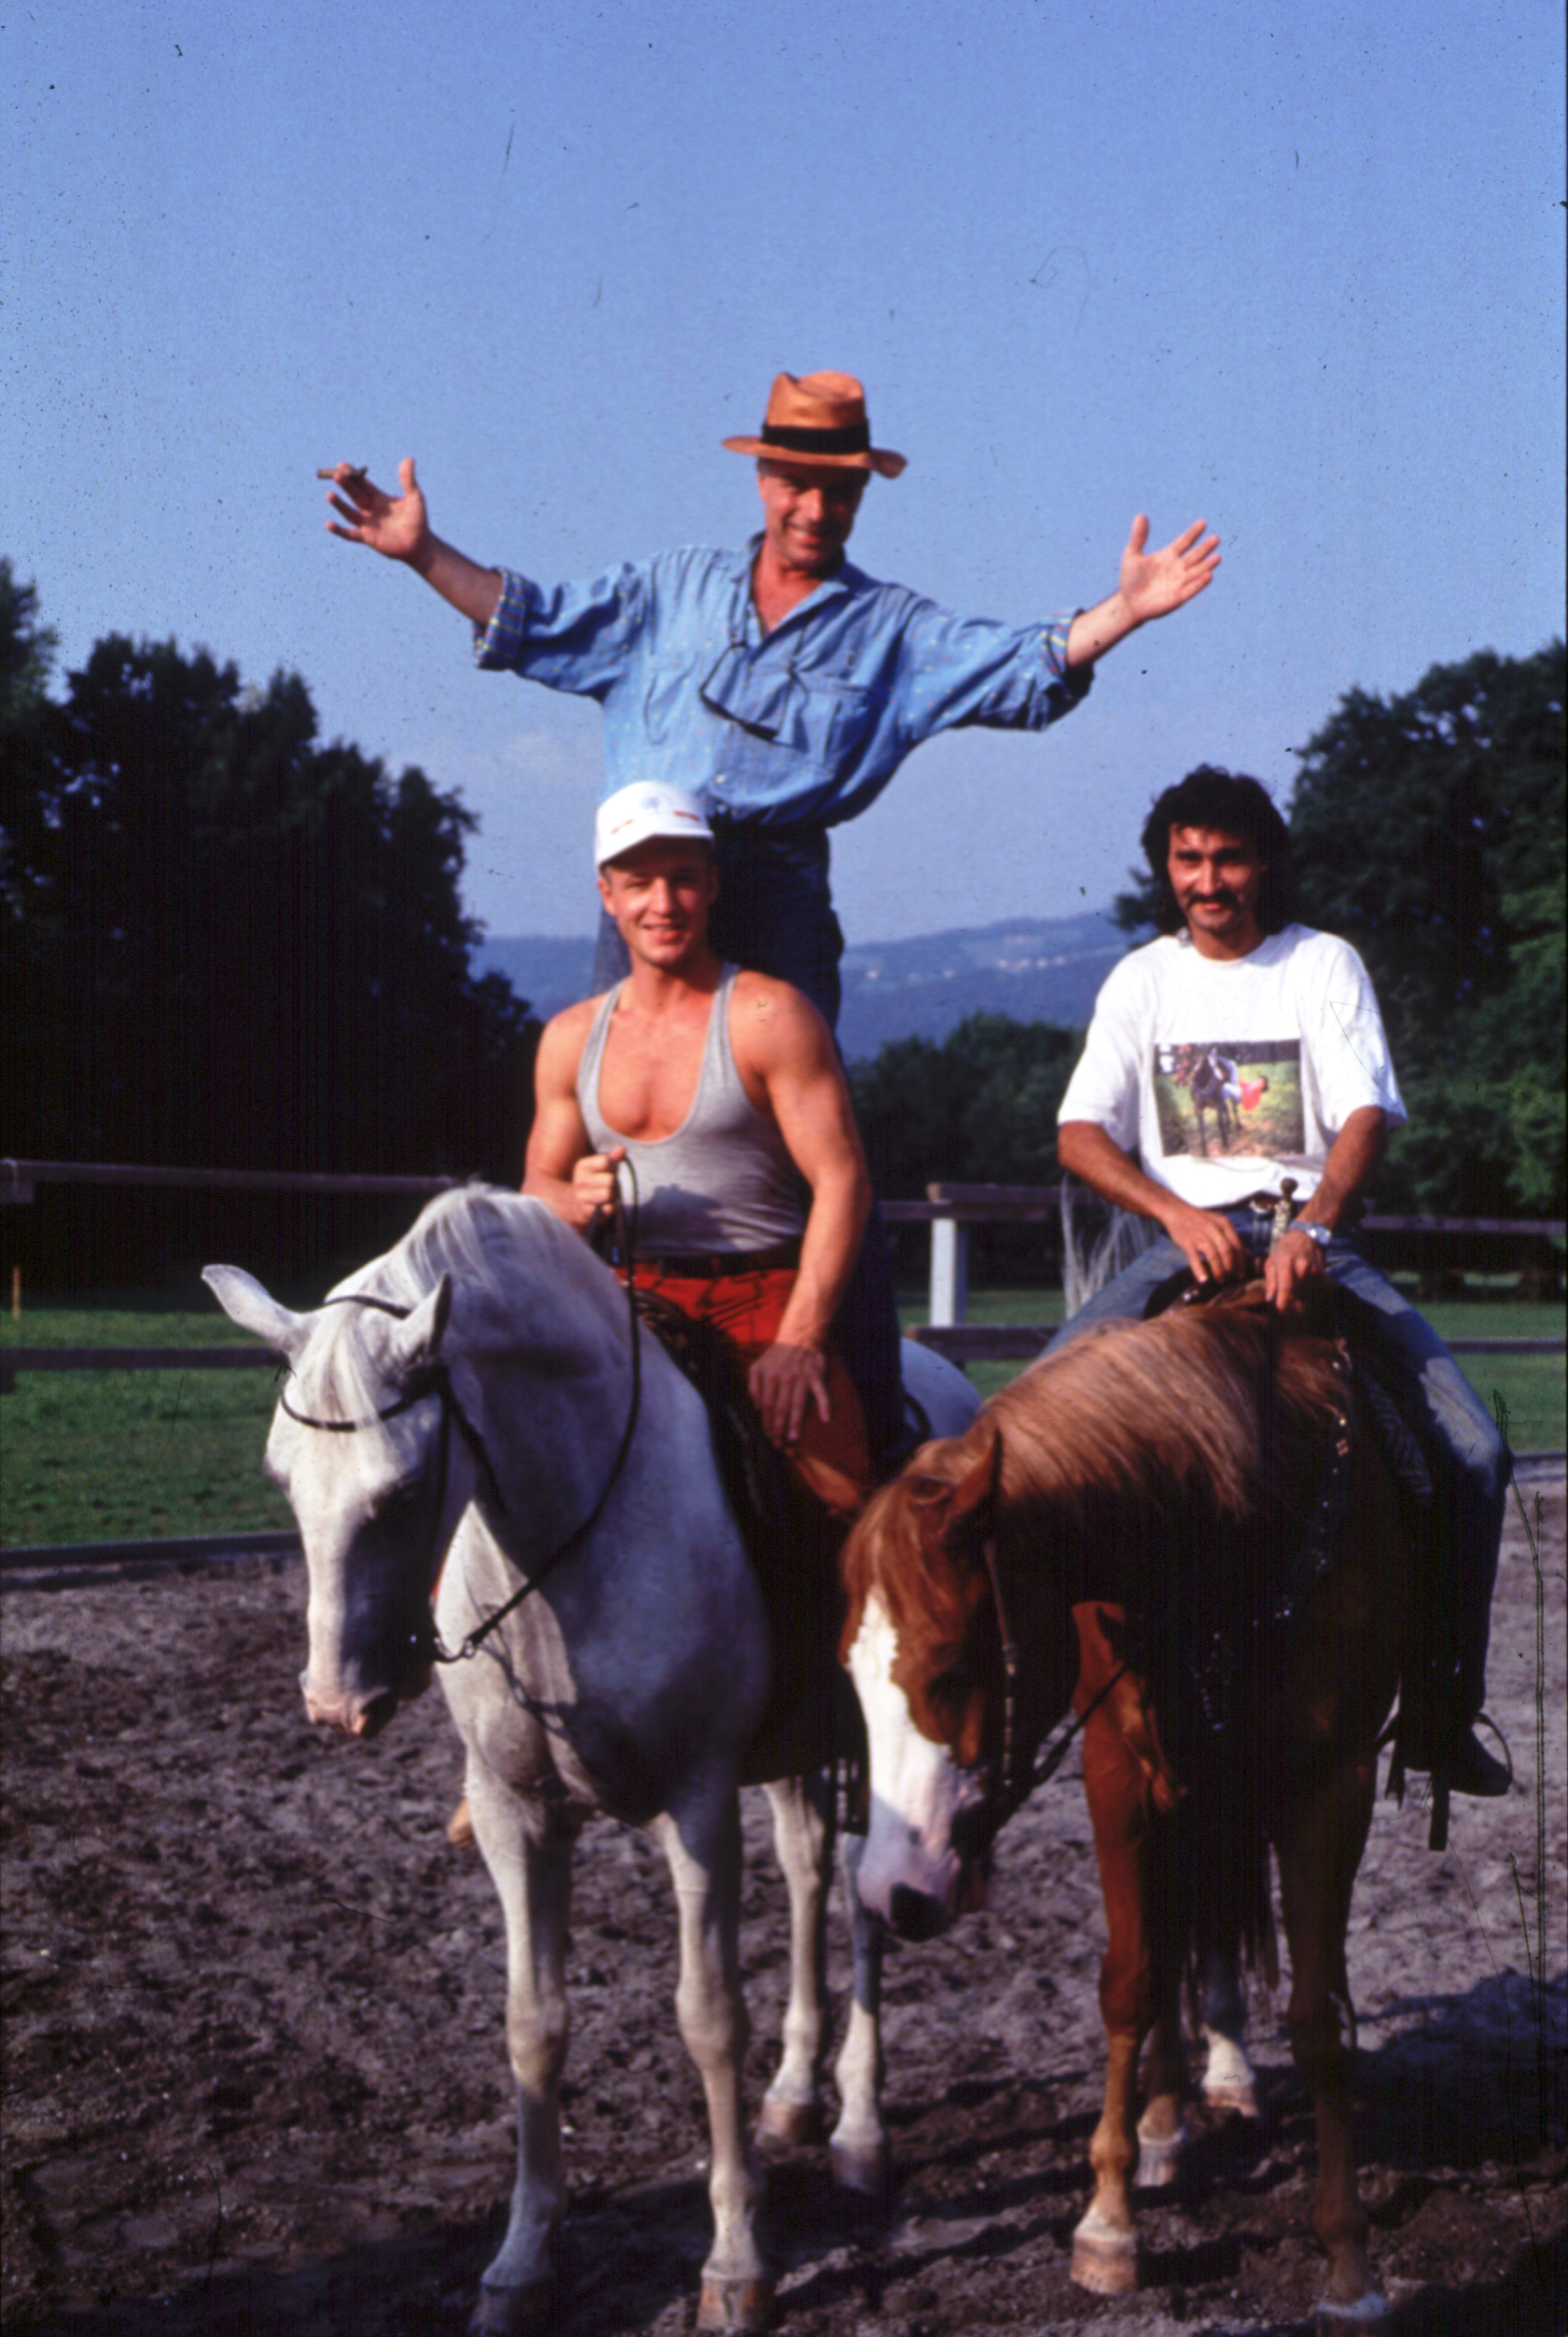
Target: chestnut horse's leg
(1106,2243)
(1162,2135)
(1319,1851)
(701,1841)
(803,1838)
(528,1851)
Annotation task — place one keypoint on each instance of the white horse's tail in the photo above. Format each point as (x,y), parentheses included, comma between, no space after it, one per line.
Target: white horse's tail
(1097,1241)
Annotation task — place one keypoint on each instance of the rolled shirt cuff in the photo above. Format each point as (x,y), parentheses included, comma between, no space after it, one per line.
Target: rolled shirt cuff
(1076,680)
(499,643)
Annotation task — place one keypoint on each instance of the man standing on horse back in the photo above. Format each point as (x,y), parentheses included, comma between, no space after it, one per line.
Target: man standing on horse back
(723,1091)
(785,688)
(1231,973)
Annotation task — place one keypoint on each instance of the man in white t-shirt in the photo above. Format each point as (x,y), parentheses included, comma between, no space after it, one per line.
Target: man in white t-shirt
(1238,1051)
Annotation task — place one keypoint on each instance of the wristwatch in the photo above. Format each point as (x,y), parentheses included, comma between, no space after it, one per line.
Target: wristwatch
(1315,1232)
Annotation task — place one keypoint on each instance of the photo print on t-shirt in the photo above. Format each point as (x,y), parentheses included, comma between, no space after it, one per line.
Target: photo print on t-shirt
(1223,1097)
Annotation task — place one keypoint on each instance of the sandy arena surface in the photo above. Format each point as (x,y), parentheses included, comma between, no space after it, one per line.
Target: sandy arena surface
(255,2079)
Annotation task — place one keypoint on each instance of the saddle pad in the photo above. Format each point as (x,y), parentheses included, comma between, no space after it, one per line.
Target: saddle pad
(792,1543)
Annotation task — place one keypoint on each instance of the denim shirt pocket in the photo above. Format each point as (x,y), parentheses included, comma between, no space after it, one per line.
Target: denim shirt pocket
(829,723)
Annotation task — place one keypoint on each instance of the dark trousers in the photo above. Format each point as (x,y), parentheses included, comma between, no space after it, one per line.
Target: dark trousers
(774,915)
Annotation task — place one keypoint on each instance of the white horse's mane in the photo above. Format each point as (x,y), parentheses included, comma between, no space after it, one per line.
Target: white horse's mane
(499,1247)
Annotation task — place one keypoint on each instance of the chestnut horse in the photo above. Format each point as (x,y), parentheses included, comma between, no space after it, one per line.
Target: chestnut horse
(1179,1518)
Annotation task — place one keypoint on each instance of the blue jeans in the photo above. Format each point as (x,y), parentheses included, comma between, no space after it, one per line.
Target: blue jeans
(774,915)
(1467,1457)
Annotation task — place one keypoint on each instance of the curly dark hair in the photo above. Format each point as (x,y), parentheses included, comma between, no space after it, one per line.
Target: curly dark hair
(1236,806)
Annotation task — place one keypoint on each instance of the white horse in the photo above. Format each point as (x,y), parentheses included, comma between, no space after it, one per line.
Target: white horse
(469,1394)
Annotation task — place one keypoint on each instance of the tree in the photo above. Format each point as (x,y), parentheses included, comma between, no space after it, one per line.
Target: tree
(239,947)
(977,1108)
(1429,831)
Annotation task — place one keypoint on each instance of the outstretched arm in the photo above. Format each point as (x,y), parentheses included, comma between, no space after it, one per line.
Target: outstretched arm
(1151,584)
(782,1041)
(398,527)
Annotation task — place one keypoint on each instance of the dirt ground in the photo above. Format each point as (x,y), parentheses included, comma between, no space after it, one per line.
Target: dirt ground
(256,2077)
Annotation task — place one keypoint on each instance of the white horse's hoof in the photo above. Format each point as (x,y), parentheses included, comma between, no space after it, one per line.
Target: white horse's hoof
(789,2126)
(514,2312)
(1160,2160)
(735,2304)
(1227,2099)
(866,2168)
(1331,2319)
(1103,2258)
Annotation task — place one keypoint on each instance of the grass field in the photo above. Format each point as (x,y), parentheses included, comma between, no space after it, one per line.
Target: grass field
(123,1456)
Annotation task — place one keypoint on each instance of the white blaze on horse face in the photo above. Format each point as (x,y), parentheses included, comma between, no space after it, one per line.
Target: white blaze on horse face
(912,1876)
(363,1527)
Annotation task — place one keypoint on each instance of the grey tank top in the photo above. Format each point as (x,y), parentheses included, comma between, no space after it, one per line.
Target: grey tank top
(724,1180)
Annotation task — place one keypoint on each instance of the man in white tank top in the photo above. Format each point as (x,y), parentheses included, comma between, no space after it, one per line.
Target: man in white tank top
(721,1087)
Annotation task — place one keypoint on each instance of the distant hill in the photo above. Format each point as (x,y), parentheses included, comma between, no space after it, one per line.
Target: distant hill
(1036,969)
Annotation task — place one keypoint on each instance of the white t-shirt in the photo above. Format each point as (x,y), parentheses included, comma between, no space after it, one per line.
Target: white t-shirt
(1226,1075)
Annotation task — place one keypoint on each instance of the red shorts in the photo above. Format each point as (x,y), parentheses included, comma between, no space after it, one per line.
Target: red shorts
(831,1454)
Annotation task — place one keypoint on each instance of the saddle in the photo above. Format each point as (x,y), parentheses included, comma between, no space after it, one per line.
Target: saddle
(812,1719)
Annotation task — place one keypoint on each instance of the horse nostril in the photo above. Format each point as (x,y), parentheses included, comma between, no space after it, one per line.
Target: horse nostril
(914,1914)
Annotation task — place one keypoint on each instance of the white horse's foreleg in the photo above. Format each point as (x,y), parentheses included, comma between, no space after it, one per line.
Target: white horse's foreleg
(862,2154)
(802,1837)
(529,1856)
(702,1844)
(1229,2082)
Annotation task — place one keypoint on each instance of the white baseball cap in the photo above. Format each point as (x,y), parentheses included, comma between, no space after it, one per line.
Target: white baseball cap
(645,809)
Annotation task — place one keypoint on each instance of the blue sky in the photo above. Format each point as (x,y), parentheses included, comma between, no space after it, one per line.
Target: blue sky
(1296,270)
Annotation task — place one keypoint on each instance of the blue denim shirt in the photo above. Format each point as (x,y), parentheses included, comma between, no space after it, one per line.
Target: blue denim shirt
(803,726)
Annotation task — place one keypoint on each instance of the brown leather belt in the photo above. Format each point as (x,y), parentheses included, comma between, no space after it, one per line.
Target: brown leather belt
(715,1265)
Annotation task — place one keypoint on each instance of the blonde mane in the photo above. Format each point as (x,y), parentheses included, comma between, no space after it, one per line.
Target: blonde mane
(510,1260)
(1197,1420)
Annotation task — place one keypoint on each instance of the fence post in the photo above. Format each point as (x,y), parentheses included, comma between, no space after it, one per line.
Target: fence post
(950,1270)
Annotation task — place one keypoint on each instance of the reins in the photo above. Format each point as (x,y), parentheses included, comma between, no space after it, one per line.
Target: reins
(438,1383)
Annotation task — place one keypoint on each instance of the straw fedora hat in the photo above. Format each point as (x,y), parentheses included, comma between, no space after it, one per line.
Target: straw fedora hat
(819,418)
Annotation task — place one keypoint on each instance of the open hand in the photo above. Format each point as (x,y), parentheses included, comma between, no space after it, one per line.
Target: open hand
(1214,1250)
(782,1382)
(396,526)
(1153,583)
(1293,1261)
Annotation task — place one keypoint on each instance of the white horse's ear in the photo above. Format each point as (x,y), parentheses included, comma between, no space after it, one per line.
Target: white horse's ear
(419,1338)
(244,1300)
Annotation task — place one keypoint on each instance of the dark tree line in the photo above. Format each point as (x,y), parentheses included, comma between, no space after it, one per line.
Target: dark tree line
(231,945)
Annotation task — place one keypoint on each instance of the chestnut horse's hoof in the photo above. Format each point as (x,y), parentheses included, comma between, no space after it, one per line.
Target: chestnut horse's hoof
(789,2126)
(515,2311)
(1105,2259)
(864,2168)
(735,2304)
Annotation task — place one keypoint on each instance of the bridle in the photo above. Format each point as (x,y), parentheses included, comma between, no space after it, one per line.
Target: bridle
(436,1382)
(1014,1785)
